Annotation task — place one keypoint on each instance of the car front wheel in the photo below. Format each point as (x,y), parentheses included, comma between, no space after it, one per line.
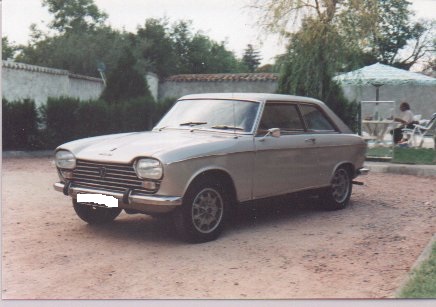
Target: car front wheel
(95,215)
(338,194)
(202,214)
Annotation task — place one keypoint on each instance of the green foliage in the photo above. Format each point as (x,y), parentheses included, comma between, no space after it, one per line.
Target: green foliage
(92,118)
(74,15)
(383,32)
(60,118)
(78,52)
(135,114)
(251,58)
(8,49)
(314,55)
(20,125)
(197,53)
(177,49)
(423,281)
(81,45)
(414,155)
(371,30)
(154,48)
(67,119)
(125,82)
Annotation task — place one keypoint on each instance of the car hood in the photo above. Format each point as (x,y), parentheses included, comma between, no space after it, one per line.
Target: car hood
(167,146)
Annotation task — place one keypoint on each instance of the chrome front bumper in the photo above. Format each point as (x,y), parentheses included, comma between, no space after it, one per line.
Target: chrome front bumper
(155,203)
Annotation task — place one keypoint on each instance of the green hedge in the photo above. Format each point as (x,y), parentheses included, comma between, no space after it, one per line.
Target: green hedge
(20,125)
(65,119)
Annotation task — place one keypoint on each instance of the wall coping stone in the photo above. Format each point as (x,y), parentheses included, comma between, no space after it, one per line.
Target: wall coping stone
(47,70)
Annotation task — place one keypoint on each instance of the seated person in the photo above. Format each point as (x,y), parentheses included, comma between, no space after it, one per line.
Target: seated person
(406,119)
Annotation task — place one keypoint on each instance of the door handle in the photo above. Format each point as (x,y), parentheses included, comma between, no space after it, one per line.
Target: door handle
(311,140)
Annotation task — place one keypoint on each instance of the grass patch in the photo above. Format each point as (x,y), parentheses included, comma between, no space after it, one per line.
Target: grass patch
(423,281)
(414,156)
(379,152)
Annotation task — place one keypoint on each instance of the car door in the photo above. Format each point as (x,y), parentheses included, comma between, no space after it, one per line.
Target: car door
(329,145)
(286,163)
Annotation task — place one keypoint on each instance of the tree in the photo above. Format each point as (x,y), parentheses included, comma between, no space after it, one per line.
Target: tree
(154,48)
(314,55)
(251,58)
(74,15)
(125,82)
(385,33)
(177,49)
(315,52)
(80,42)
(222,60)
(373,30)
(197,53)
(8,49)
(78,52)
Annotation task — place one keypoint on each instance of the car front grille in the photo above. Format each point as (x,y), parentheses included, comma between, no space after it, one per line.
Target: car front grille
(108,177)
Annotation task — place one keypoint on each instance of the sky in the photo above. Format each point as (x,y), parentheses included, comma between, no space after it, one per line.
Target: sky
(222,20)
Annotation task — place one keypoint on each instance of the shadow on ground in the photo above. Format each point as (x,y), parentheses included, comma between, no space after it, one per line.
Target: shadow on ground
(144,228)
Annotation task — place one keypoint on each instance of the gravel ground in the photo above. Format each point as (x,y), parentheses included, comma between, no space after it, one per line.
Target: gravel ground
(274,250)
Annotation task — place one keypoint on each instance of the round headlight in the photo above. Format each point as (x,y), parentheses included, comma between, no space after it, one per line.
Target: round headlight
(149,169)
(65,160)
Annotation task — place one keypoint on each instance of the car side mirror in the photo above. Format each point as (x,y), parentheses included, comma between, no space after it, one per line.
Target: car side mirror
(274,132)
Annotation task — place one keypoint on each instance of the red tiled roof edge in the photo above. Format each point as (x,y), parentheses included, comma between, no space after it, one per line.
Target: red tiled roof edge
(223,77)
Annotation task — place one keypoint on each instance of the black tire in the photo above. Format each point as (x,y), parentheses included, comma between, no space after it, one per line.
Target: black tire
(95,215)
(337,196)
(202,216)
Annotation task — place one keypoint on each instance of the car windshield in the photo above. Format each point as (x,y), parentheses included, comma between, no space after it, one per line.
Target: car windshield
(233,115)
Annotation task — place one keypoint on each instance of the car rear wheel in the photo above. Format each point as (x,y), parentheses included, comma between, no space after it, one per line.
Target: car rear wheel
(202,215)
(95,215)
(338,194)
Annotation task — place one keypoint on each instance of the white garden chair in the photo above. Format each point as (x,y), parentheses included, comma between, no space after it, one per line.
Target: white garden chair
(418,132)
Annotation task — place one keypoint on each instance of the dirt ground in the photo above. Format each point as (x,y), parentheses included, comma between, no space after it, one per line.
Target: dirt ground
(271,251)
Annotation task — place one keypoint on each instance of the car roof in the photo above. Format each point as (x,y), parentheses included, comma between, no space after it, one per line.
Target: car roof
(262,97)
(252,97)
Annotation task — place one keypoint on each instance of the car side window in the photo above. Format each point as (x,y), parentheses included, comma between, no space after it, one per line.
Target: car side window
(315,119)
(283,116)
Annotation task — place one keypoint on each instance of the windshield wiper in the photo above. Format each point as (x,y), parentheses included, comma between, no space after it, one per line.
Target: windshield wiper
(162,128)
(192,124)
(225,127)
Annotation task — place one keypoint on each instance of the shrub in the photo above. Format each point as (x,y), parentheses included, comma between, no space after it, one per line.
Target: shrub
(135,115)
(92,118)
(20,125)
(66,119)
(161,108)
(60,118)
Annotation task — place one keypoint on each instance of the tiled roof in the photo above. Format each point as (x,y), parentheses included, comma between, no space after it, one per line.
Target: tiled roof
(34,68)
(383,74)
(47,70)
(223,77)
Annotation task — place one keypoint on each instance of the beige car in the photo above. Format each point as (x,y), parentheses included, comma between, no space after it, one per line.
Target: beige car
(212,152)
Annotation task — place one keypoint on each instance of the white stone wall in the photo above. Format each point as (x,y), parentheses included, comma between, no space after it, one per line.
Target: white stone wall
(21,81)
(85,88)
(153,84)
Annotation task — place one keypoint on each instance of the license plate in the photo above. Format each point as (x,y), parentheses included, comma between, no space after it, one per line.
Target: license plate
(100,199)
